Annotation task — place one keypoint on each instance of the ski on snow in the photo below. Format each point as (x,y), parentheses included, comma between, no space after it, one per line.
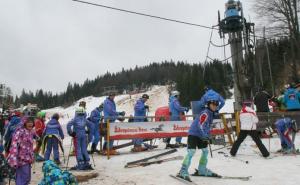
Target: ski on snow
(243,178)
(143,164)
(183,180)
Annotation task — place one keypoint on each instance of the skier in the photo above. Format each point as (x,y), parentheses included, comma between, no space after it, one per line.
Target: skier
(210,93)
(199,136)
(21,154)
(284,126)
(248,121)
(39,124)
(291,99)
(77,128)
(96,117)
(261,100)
(110,114)
(53,136)
(175,111)
(139,116)
(15,121)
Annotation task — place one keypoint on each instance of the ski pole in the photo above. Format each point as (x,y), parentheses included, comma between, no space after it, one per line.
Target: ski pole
(69,153)
(93,158)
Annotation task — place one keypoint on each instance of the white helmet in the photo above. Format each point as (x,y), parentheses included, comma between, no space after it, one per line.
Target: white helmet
(175,93)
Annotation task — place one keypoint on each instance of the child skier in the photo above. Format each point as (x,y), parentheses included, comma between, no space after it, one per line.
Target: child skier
(284,126)
(248,120)
(39,125)
(77,128)
(198,136)
(15,121)
(53,136)
(21,151)
(96,117)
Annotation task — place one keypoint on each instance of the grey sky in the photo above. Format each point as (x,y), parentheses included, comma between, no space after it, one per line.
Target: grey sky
(48,43)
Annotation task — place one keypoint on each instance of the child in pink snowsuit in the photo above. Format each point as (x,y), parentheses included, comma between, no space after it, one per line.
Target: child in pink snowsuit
(21,151)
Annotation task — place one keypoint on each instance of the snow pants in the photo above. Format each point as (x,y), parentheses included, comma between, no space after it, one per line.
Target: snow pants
(286,142)
(255,136)
(81,149)
(96,134)
(23,175)
(52,143)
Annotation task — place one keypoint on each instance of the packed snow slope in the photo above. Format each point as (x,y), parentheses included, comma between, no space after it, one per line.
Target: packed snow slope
(278,170)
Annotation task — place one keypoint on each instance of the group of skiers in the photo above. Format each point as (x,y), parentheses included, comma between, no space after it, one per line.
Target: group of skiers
(21,131)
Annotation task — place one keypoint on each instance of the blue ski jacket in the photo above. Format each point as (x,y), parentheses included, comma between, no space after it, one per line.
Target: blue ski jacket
(139,110)
(79,125)
(202,124)
(175,108)
(110,110)
(53,128)
(291,99)
(96,115)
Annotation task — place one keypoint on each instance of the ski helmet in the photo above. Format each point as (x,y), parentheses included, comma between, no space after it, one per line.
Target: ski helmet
(145,96)
(175,93)
(55,116)
(80,110)
(215,102)
(41,114)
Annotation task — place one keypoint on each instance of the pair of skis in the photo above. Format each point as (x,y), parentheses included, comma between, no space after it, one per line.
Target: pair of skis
(146,161)
(243,178)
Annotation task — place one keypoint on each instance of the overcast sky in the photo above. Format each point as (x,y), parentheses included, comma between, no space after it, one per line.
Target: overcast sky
(48,43)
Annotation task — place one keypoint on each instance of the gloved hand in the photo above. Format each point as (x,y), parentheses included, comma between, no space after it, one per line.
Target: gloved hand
(122,113)
(73,134)
(147,107)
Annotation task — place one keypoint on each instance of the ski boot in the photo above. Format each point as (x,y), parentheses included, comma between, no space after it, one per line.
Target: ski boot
(38,158)
(57,161)
(88,166)
(184,174)
(205,173)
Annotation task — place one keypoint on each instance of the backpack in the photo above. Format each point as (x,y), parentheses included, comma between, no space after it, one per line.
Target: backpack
(53,175)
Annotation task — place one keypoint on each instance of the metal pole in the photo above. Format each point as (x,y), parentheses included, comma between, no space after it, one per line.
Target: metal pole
(107,140)
(269,62)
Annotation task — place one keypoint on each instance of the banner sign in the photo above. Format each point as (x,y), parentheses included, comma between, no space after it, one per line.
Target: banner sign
(150,130)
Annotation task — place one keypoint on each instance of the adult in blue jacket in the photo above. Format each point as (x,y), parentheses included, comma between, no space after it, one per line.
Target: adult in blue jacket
(210,93)
(77,128)
(176,110)
(96,117)
(110,114)
(53,134)
(284,126)
(292,99)
(10,129)
(140,116)
(198,137)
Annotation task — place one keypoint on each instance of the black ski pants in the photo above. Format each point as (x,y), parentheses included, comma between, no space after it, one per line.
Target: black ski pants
(254,135)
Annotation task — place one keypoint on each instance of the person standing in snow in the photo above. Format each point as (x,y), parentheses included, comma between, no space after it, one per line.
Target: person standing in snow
(21,154)
(210,93)
(199,137)
(248,121)
(53,136)
(284,127)
(39,125)
(139,116)
(176,110)
(96,117)
(77,128)
(110,114)
(261,100)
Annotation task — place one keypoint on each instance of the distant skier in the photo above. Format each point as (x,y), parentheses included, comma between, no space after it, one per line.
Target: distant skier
(96,117)
(198,137)
(248,121)
(53,136)
(39,124)
(139,116)
(284,127)
(77,128)
(210,93)
(176,110)
(292,99)
(111,114)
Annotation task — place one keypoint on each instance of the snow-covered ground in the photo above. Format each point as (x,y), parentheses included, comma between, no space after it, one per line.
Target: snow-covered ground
(280,170)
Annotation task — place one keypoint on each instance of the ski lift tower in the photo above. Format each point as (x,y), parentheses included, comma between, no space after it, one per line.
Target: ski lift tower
(238,30)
